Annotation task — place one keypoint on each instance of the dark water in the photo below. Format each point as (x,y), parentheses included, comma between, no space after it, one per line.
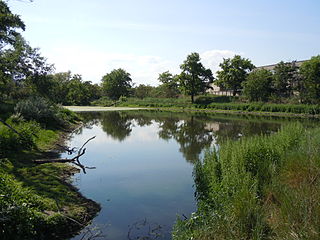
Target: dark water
(144,163)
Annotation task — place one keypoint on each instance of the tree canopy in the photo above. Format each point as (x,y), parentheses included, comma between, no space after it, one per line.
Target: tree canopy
(194,78)
(285,78)
(9,25)
(257,87)
(117,83)
(169,85)
(310,84)
(233,72)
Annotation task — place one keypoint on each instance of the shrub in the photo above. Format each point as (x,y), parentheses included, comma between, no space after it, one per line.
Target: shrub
(213,99)
(48,114)
(11,141)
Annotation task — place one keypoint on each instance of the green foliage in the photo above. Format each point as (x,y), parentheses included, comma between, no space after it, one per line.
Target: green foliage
(169,87)
(156,102)
(116,83)
(285,78)
(24,69)
(41,110)
(258,188)
(207,99)
(310,85)
(20,209)
(257,87)
(9,24)
(12,142)
(267,107)
(143,91)
(194,78)
(70,89)
(233,73)
(30,195)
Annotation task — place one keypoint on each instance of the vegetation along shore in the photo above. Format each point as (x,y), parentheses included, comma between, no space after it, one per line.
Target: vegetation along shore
(263,187)
(37,200)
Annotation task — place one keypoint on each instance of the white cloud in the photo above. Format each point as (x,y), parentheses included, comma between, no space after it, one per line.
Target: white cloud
(211,59)
(93,64)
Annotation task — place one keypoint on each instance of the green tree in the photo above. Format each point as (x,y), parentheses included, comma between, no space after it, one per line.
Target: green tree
(194,78)
(143,91)
(310,84)
(285,78)
(257,87)
(70,89)
(25,69)
(169,87)
(60,87)
(116,84)
(233,72)
(9,25)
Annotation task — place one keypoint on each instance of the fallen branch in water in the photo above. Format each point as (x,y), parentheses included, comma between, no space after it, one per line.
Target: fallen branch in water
(75,160)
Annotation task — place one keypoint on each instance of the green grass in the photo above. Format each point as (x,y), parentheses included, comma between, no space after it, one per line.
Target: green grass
(264,187)
(36,201)
(215,103)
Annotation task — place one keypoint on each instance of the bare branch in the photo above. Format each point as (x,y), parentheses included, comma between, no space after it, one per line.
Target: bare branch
(86,143)
(75,160)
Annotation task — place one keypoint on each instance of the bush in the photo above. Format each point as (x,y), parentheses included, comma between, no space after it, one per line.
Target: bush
(12,142)
(214,99)
(48,114)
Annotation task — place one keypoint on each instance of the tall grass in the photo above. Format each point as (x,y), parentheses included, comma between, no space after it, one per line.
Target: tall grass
(263,187)
(214,103)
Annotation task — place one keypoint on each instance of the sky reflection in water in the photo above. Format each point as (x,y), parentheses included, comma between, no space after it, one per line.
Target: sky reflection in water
(144,162)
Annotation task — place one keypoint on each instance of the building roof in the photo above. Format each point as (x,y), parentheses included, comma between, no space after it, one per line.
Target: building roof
(271,67)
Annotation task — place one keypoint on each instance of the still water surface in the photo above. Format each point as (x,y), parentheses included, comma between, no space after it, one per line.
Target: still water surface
(144,162)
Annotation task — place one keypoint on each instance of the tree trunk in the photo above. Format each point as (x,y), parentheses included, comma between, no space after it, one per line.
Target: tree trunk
(192,98)
(234,92)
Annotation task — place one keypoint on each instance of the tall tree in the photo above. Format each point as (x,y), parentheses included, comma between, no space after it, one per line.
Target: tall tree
(285,78)
(169,87)
(116,84)
(9,25)
(310,84)
(233,72)
(23,67)
(257,87)
(194,78)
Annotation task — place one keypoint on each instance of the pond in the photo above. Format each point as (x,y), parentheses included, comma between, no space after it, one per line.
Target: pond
(144,163)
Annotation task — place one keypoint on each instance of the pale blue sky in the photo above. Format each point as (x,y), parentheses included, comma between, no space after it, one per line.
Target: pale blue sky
(147,37)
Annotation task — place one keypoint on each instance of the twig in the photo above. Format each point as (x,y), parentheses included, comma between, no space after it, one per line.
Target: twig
(75,160)
(86,143)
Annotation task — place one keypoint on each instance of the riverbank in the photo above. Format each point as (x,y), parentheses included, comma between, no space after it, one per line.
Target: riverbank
(101,109)
(264,187)
(219,104)
(39,201)
(194,109)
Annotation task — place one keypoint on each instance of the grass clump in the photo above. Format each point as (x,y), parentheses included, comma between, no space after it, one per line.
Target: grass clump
(264,187)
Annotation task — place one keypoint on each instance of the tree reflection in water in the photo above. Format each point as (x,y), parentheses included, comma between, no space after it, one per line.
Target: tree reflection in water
(117,125)
(193,132)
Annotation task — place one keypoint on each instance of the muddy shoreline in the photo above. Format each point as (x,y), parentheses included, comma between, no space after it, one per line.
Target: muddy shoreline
(73,224)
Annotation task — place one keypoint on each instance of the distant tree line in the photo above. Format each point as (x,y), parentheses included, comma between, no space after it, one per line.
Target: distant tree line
(285,82)
(24,73)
